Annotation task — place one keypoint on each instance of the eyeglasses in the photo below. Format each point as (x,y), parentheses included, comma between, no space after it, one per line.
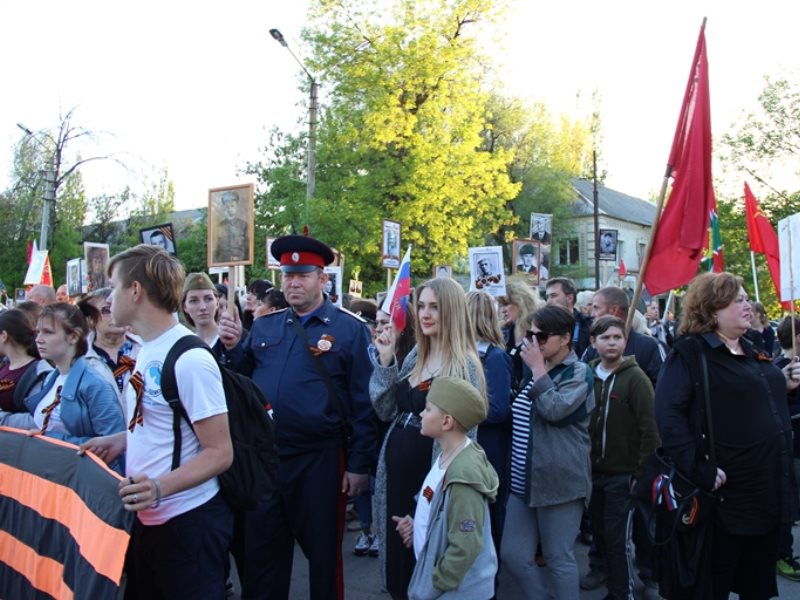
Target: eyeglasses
(541,336)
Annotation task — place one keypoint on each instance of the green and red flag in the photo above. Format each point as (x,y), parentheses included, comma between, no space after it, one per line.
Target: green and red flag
(713,260)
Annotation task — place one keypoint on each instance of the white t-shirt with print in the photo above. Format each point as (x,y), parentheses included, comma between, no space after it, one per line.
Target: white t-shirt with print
(422,514)
(150,445)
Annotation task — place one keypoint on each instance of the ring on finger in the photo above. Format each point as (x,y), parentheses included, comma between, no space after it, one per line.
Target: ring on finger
(135,499)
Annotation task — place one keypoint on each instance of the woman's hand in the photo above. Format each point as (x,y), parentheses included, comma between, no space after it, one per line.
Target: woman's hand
(720,480)
(107,447)
(386,344)
(792,374)
(532,356)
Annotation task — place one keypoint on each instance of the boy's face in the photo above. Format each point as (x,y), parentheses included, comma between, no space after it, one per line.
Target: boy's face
(610,344)
(432,420)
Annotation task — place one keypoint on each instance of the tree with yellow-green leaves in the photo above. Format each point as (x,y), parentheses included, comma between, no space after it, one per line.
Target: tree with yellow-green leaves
(400,135)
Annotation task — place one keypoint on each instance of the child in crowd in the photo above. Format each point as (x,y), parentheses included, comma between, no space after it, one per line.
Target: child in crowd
(451,531)
(624,436)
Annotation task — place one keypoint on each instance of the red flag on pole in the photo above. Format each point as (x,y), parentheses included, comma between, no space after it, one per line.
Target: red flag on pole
(623,270)
(763,238)
(682,234)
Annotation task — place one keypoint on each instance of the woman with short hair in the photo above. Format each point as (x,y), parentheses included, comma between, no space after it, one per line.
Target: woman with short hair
(749,467)
(550,466)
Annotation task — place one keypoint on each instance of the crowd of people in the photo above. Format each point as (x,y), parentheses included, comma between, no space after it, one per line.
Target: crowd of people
(487,433)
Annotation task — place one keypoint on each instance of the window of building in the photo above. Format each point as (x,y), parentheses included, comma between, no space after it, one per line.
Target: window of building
(569,252)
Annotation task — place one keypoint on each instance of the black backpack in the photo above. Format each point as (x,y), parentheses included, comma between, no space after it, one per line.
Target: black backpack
(251,478)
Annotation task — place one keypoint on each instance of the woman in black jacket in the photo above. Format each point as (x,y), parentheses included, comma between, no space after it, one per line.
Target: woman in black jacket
(752,472)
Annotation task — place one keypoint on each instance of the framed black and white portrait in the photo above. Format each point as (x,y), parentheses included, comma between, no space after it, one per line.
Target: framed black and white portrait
(608,244)
(160,235)
(391,244)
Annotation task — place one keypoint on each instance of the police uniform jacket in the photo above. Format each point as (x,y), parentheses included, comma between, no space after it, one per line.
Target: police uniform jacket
(306,418)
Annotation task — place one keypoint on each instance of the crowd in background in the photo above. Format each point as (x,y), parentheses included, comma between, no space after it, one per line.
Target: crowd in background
(575,406)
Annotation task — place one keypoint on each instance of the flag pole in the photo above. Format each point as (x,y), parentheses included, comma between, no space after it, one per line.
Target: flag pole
(637,294)
(755,279)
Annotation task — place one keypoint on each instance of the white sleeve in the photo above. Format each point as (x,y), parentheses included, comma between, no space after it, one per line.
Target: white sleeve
(200,385)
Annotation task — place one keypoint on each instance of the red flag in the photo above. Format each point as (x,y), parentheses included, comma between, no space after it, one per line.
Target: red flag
(47,274)
(623,270)
(763,239)
(682,233)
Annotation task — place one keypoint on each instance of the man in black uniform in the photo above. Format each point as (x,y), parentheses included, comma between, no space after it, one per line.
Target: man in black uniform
(311,362)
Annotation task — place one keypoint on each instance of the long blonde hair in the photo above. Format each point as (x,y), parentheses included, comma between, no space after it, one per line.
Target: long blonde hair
(483,311)
(455,335)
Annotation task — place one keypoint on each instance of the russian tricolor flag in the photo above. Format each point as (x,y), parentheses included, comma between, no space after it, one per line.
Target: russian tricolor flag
(396,302)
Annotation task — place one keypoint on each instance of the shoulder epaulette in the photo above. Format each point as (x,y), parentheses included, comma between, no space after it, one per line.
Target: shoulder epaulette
(352,314)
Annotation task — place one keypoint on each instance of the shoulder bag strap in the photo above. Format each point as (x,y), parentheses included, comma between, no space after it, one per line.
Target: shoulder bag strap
(323,373)
(707,400)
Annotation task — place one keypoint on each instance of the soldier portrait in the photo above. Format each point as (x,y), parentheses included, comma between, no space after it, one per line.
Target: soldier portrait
(230,226)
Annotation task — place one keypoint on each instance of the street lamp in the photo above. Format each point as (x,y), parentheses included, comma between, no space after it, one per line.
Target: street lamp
(312,123)
(49,195)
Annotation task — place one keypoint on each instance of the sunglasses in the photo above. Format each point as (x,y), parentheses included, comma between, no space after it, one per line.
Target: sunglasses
(541,336)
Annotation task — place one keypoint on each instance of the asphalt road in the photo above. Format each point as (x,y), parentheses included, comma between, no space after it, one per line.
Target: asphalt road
(363,580)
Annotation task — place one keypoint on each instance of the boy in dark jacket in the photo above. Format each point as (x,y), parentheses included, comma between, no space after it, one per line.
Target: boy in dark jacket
(624,436)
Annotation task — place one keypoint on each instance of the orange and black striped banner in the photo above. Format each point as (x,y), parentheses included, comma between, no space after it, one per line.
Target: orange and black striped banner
(63,529)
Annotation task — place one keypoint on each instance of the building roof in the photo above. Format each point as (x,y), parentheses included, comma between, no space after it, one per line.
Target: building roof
(612,204)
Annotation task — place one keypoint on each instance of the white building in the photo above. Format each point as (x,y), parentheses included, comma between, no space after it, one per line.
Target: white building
(630,217)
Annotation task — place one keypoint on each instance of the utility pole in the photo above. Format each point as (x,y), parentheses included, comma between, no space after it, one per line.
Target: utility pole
(313,107)
(596,202)
(49,193)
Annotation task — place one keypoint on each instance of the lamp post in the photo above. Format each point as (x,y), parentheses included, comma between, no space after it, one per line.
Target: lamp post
(49,194)
(312,123)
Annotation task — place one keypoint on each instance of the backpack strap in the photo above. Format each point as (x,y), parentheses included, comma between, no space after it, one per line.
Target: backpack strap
(169,389)
(30,379)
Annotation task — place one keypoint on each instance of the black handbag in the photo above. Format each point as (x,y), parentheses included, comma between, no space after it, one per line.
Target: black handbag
(671,501)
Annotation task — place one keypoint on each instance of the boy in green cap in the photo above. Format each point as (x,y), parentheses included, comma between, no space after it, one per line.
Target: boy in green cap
(451,531)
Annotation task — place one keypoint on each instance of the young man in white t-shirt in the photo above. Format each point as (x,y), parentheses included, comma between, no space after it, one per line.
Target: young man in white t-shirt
(180,538)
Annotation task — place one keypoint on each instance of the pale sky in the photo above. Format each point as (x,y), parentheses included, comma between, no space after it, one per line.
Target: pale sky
(195,87)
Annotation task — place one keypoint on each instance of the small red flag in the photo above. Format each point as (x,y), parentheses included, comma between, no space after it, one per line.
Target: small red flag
(623,270)
(763,239)
(682,232)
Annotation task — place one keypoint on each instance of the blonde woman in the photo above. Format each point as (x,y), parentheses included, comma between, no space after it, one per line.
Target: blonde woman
(520,301)
(494,434)
(445,346)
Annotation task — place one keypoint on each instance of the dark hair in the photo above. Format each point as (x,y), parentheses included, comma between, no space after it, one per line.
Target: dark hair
(274,298)
(20,328)
(366,309)
(555,320)
(567,286)
(222,290)
(89,310)
(259,286)
(606,322)
(72,320)
(785,336)
(32,309)
(615,296)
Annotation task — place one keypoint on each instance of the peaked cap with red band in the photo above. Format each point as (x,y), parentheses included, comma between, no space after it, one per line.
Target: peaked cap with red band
(300,253)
